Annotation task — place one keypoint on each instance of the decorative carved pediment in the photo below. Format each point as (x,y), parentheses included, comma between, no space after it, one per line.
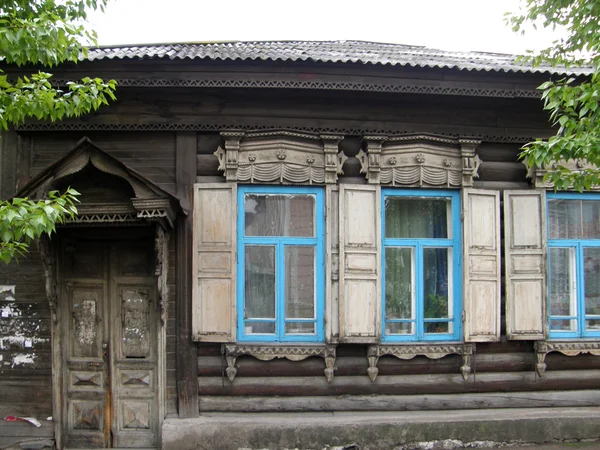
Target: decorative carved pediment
(419,161)
(290,352)
(568,348)
(432,351)
(537,174)
(280,157)
(149,202)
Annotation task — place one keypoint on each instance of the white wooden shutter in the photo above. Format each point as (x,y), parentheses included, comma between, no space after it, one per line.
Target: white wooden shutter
(332,271)
(360,263)
(525,253)
(481,259)
(214,262)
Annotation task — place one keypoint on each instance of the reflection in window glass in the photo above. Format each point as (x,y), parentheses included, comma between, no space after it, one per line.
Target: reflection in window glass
(419,248)
(573,265)
(407,217)
(279,215)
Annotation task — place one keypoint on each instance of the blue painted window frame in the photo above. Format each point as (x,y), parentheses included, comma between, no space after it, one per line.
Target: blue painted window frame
(455,243)
(578,245)
(280,242)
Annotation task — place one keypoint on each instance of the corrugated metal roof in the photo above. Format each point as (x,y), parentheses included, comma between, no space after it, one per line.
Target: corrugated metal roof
(329,52)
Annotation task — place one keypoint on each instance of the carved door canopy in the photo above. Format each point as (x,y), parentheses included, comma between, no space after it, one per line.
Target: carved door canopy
(419,161)
(120,194)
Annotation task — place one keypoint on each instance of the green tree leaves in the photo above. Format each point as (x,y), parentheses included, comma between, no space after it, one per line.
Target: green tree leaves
(572,104)
(22,220)
(43,33)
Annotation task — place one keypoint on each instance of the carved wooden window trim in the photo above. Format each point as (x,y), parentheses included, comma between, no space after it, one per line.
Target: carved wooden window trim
(289,352)
(537,174)
(280,157)
(432,351)
(419,161)
(568,348)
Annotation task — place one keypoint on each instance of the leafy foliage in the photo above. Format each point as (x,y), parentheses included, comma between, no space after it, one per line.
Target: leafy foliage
(47,33)
(43,33)
(572,103)
(22,220)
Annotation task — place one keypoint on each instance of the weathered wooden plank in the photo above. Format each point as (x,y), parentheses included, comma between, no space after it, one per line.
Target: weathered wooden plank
(186,375)
(435,402)
(213,262)
(8,163)
(525,263)
(402,384)
(359,263)
(481,267)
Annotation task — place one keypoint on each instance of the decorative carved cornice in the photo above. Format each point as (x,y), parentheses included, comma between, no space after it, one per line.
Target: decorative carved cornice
(568,348)
(338,85)
(432,351)
(217,127)
(280,157)
(537,174)
(290,352)
(419,161)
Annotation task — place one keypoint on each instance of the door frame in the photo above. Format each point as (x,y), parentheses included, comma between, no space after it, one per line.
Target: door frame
(50,255)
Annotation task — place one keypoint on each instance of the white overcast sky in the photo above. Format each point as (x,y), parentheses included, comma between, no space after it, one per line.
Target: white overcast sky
(461,25)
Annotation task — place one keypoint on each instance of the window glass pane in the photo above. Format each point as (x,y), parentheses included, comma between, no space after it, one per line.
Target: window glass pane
(299,282)
(259,328)
(407,217)
(564,219)
(563,325)
(562,282)
(279,215)
(399,280)
(300,328)
(591,277)
(591,219)
(400,328)
(259,268)
(435,289)
(438,327)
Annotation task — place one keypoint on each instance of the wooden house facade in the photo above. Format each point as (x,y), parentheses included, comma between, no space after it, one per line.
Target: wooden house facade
(293,227)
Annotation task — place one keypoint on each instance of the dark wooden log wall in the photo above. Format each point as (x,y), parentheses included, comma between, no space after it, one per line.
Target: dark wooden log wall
(503,372)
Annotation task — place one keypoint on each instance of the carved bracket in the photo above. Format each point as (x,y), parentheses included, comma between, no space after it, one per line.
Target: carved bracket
(290,352)
(280,157)
(419,161)
(161,249)
(542,348)
(46,250)
(466,351)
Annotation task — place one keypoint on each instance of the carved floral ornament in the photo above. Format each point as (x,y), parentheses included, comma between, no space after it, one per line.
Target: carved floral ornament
(280,157)
(419,161)
(537,174)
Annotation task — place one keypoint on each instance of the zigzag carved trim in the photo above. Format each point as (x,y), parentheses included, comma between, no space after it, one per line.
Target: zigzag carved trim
(323,85)
(206,127)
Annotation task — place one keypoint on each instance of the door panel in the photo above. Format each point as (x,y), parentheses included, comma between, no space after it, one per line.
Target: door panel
(135,419)
(110,326)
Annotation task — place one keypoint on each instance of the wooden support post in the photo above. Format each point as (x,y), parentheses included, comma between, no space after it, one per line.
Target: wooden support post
(187,355)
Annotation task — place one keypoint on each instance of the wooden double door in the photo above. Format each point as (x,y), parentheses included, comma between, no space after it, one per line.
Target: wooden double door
(110,327)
